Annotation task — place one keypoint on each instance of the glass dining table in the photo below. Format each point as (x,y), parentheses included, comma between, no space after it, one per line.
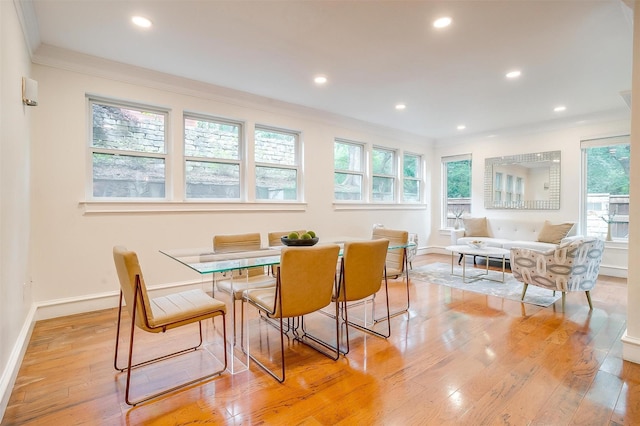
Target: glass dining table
(205,261)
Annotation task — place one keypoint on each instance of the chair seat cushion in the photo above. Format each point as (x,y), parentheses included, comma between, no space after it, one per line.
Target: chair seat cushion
(183,308)
(242,284)
(263,298)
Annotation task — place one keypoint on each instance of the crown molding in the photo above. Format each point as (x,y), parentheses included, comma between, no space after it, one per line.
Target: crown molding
(29,23)
(619,114)
(73,61)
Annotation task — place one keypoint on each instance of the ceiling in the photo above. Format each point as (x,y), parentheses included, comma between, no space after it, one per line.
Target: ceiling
(375,54)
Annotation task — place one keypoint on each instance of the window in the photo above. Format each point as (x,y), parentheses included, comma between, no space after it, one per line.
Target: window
(412,178)
(277,164)
(497,185)
(456,188)
(348,176)
(128,151)
(519,189)
(509,189)
(212,151)
(606,187)
(384,174)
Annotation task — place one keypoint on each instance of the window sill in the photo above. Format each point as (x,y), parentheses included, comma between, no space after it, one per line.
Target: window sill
(118,207)
(378,206)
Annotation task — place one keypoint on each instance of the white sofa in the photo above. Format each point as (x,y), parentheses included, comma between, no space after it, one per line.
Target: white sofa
(521,233)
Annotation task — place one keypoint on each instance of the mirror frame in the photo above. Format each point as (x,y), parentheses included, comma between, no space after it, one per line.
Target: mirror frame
(533,159)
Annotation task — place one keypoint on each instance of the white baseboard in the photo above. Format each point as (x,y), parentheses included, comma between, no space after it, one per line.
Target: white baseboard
(630,348)
(12,367)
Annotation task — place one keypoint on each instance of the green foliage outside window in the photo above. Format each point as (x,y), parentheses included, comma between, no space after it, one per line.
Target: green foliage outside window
(459,179)
(608,170)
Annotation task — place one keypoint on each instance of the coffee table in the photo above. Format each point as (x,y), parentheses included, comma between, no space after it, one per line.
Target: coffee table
(486,252)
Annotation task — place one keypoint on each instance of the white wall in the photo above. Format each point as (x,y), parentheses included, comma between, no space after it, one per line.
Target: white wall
(565,138)
(15,299)
(72,250)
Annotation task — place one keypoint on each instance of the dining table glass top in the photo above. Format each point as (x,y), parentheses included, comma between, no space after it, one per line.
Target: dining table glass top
(205,261)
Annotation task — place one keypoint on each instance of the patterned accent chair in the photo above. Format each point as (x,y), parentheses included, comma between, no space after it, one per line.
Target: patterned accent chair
(572,266)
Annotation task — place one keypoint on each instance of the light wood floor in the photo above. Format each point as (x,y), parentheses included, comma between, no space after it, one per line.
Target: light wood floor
(456,358)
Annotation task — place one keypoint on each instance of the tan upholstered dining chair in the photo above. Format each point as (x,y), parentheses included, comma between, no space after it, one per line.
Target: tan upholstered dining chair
(305,284)
(159,314)
(362,273)
(397,264)
(242,280)
(396,258)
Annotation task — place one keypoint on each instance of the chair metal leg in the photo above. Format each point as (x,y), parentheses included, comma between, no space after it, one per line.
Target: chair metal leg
(305,335)
(589,300)
(282,376)
(564,296)
(130,366)
(524,290)
(406,309)
(370,330)
(150,361)
(302,338)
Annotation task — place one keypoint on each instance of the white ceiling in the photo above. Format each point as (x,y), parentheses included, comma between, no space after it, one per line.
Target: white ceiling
(374,53)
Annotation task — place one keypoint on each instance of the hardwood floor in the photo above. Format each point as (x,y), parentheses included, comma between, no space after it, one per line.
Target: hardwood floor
(456,358)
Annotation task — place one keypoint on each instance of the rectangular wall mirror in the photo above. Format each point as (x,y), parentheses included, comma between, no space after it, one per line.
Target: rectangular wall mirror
(523,182)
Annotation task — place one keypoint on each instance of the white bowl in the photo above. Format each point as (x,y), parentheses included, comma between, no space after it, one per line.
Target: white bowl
(477,244)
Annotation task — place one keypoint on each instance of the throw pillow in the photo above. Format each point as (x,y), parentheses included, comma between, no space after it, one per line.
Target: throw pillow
(475,227)
(554,233)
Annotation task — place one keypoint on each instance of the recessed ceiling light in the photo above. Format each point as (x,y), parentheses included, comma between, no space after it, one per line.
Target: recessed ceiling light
(321,79)
(400,107)
(462,127)
(445,21)
(560,108)
(514,74)
(141,21)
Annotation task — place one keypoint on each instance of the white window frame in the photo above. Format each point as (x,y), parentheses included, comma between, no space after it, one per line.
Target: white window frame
(297,166)
(519,188)
(165,156)
(509,189)
(444,179)
(584,146)
(214,160)
(419,178)
(393,175)
(361,172)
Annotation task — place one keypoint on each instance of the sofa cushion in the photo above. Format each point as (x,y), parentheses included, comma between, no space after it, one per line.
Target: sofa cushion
(553,234)
(475,227)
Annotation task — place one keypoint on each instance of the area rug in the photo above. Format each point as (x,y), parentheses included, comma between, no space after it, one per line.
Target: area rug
(440,273)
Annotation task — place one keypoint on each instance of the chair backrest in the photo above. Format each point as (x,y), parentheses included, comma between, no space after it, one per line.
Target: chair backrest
(274,237)
(584,257)
(128,267)
(395,257)
(363,264)
(237,243)
(306,279)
